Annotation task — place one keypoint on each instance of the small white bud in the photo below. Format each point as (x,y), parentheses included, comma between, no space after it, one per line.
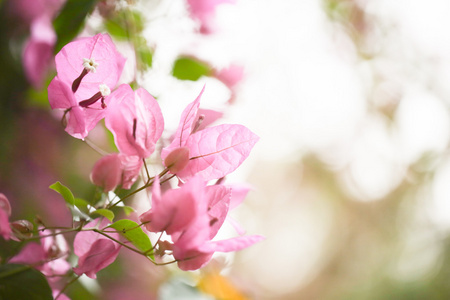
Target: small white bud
(104,90)
(90,65)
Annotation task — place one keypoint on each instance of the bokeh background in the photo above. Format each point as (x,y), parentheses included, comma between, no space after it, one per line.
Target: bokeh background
(350,177)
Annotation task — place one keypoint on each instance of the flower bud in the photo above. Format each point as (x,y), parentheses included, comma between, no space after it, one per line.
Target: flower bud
(177,160)
(22,228)
(107,172)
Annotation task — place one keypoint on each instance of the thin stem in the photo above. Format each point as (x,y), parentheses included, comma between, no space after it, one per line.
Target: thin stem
(166,263)
(148,184)
(154,245)
(167,179)
(125,230)
(130,194)
(95,147)
(146,171)
(37,237)
(67,285)
(120,243)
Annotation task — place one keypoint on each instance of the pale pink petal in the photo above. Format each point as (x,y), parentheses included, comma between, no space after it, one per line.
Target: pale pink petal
(54,245)
(231,75)
(187,121)
(76,123)
(195,235)
(5,229)
(60,95)
(4,204)
(209,117)
(218,205)
(84,239)
(107,172)
(155,202)
(135,120)
(5,212)
(29,10)
(177,208)
(94,250)
(32,253)
(204,11)
(60,297)
(100,48)
(101,254)
(238,193)
(233,244)
(197,258)
(150,124)
(55,267)
(194,260)
(218,151)
(131,166)
(236,225)
(38,51)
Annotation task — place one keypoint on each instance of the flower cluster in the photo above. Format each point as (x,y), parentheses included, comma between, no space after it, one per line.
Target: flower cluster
(199,156)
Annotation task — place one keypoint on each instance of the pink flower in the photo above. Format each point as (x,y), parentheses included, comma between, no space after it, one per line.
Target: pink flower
(135,120)
(5,212)
(116,169)
(95,60)
(204,11)
(88,69)
(214,151)
(95,251)
(196,258)
(29,10)
(173,211)
(192,215)
(38,51)
(79,120)
(49,256)
(230,76)
(193,248)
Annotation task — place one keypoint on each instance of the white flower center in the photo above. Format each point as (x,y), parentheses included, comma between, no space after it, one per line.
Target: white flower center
(90,65)
(104,90)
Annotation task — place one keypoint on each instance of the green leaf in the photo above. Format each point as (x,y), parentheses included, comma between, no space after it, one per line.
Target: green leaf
(82,205)
(70,21)
(64,191)
(128,210)
(145,55)
(116,29)
(186,68)
(18,282)
(106,213)
(134,233)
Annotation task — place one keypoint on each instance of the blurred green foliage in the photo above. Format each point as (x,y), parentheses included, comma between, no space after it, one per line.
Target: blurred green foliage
(187,68)
(70,21)
(19,282)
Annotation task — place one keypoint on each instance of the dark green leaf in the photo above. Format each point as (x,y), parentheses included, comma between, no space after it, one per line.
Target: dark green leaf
(19,282)
(134,233)
(186,68)
(70,21)
(64,191)
(106,213)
